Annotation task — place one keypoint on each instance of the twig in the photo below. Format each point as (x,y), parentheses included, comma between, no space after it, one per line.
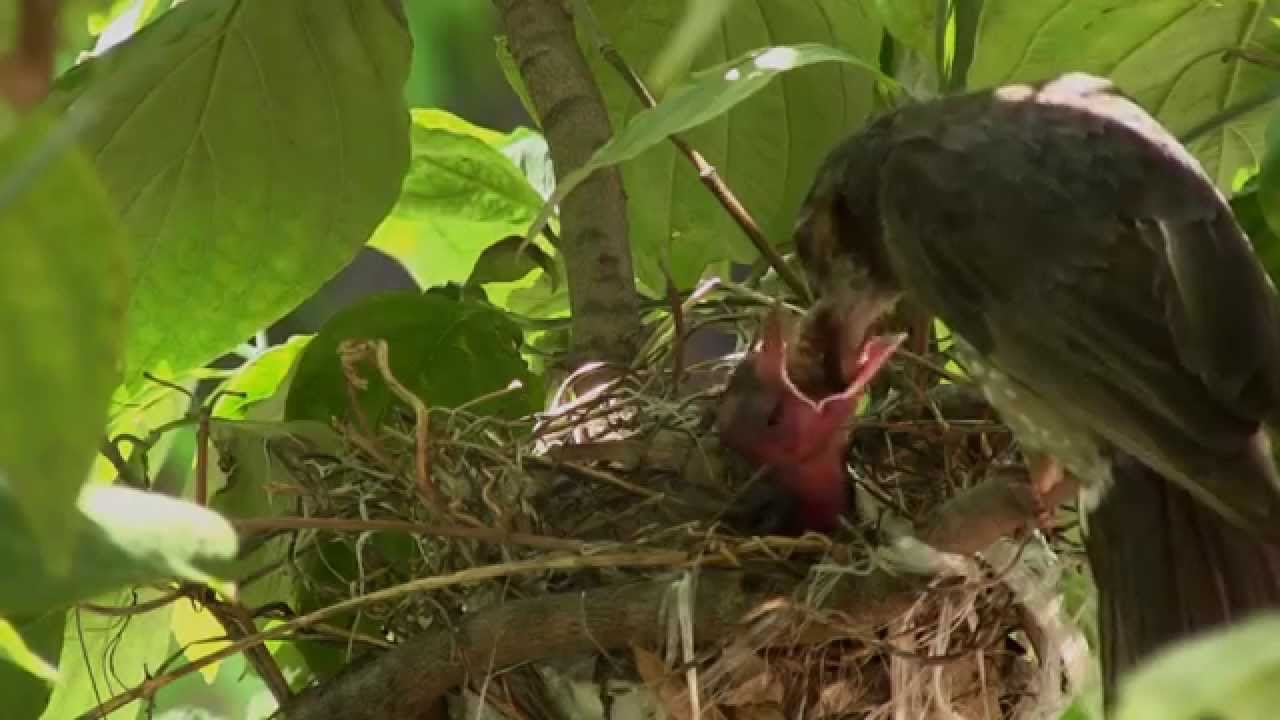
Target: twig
(202,456)
(421,426)
(677,327)
(136,608)
(707,173)
(238,623)
(544,542)
(117,460)
(419,670)
(604,477)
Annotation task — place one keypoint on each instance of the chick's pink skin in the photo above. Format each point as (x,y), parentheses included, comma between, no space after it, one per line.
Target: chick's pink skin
(771,422)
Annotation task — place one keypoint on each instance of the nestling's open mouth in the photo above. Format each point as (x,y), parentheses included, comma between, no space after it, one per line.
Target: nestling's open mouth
(861,367)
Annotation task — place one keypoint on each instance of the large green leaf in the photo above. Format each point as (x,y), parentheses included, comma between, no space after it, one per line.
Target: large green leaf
(62,304)
(448,352)
(252,148)
(462,194)
(123,536)
(1232,674)
(767,147)
(104,654)
(1168,54)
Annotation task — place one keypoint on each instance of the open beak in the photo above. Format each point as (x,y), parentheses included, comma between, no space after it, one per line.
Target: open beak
(862,365)
(858,365)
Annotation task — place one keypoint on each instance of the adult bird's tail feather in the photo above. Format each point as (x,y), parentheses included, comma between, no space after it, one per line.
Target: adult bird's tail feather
(1167,567)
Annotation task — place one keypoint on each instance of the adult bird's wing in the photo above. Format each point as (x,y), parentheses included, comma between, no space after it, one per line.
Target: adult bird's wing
(1082,251)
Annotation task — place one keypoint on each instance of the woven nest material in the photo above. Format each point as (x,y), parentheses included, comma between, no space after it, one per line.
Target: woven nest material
(593,549)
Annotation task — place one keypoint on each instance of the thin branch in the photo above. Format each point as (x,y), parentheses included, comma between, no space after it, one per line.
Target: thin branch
(543,542)
(1232,113)
(707,173)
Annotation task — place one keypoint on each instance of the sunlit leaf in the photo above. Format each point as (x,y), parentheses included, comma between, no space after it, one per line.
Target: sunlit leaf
(14,649)
(124,536)
(252,148)
(28,646)
(261,379)
(62,304)
(1233,673)
(118,22)
(460,196)
(171,536)
(197,630)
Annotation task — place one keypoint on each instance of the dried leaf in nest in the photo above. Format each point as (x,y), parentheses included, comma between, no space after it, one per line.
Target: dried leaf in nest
(671,688)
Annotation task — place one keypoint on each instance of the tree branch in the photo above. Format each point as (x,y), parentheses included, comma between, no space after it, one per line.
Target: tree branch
(597,253)
(25,73)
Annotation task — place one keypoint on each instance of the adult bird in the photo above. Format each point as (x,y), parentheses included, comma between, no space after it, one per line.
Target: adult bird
(1110,307)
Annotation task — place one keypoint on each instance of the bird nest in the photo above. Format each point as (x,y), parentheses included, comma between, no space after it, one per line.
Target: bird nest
(590,560)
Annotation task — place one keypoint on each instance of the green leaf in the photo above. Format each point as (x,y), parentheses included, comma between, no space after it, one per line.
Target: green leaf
(1268,178)
(27,646)
(1248,207)
(461,195)
(1168,54)
(261,380)
(123,16)
(701,21)
(14,649)
(911,22)
(766,139)
(62,304)
(512,74)
(259,458)
(510,259)
(1232,673)
(138,415)
(100,652)
(122,536)
(252,148)
(446,352)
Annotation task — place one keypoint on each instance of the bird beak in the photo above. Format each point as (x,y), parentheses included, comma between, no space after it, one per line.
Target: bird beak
(858,365)
(870,356)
